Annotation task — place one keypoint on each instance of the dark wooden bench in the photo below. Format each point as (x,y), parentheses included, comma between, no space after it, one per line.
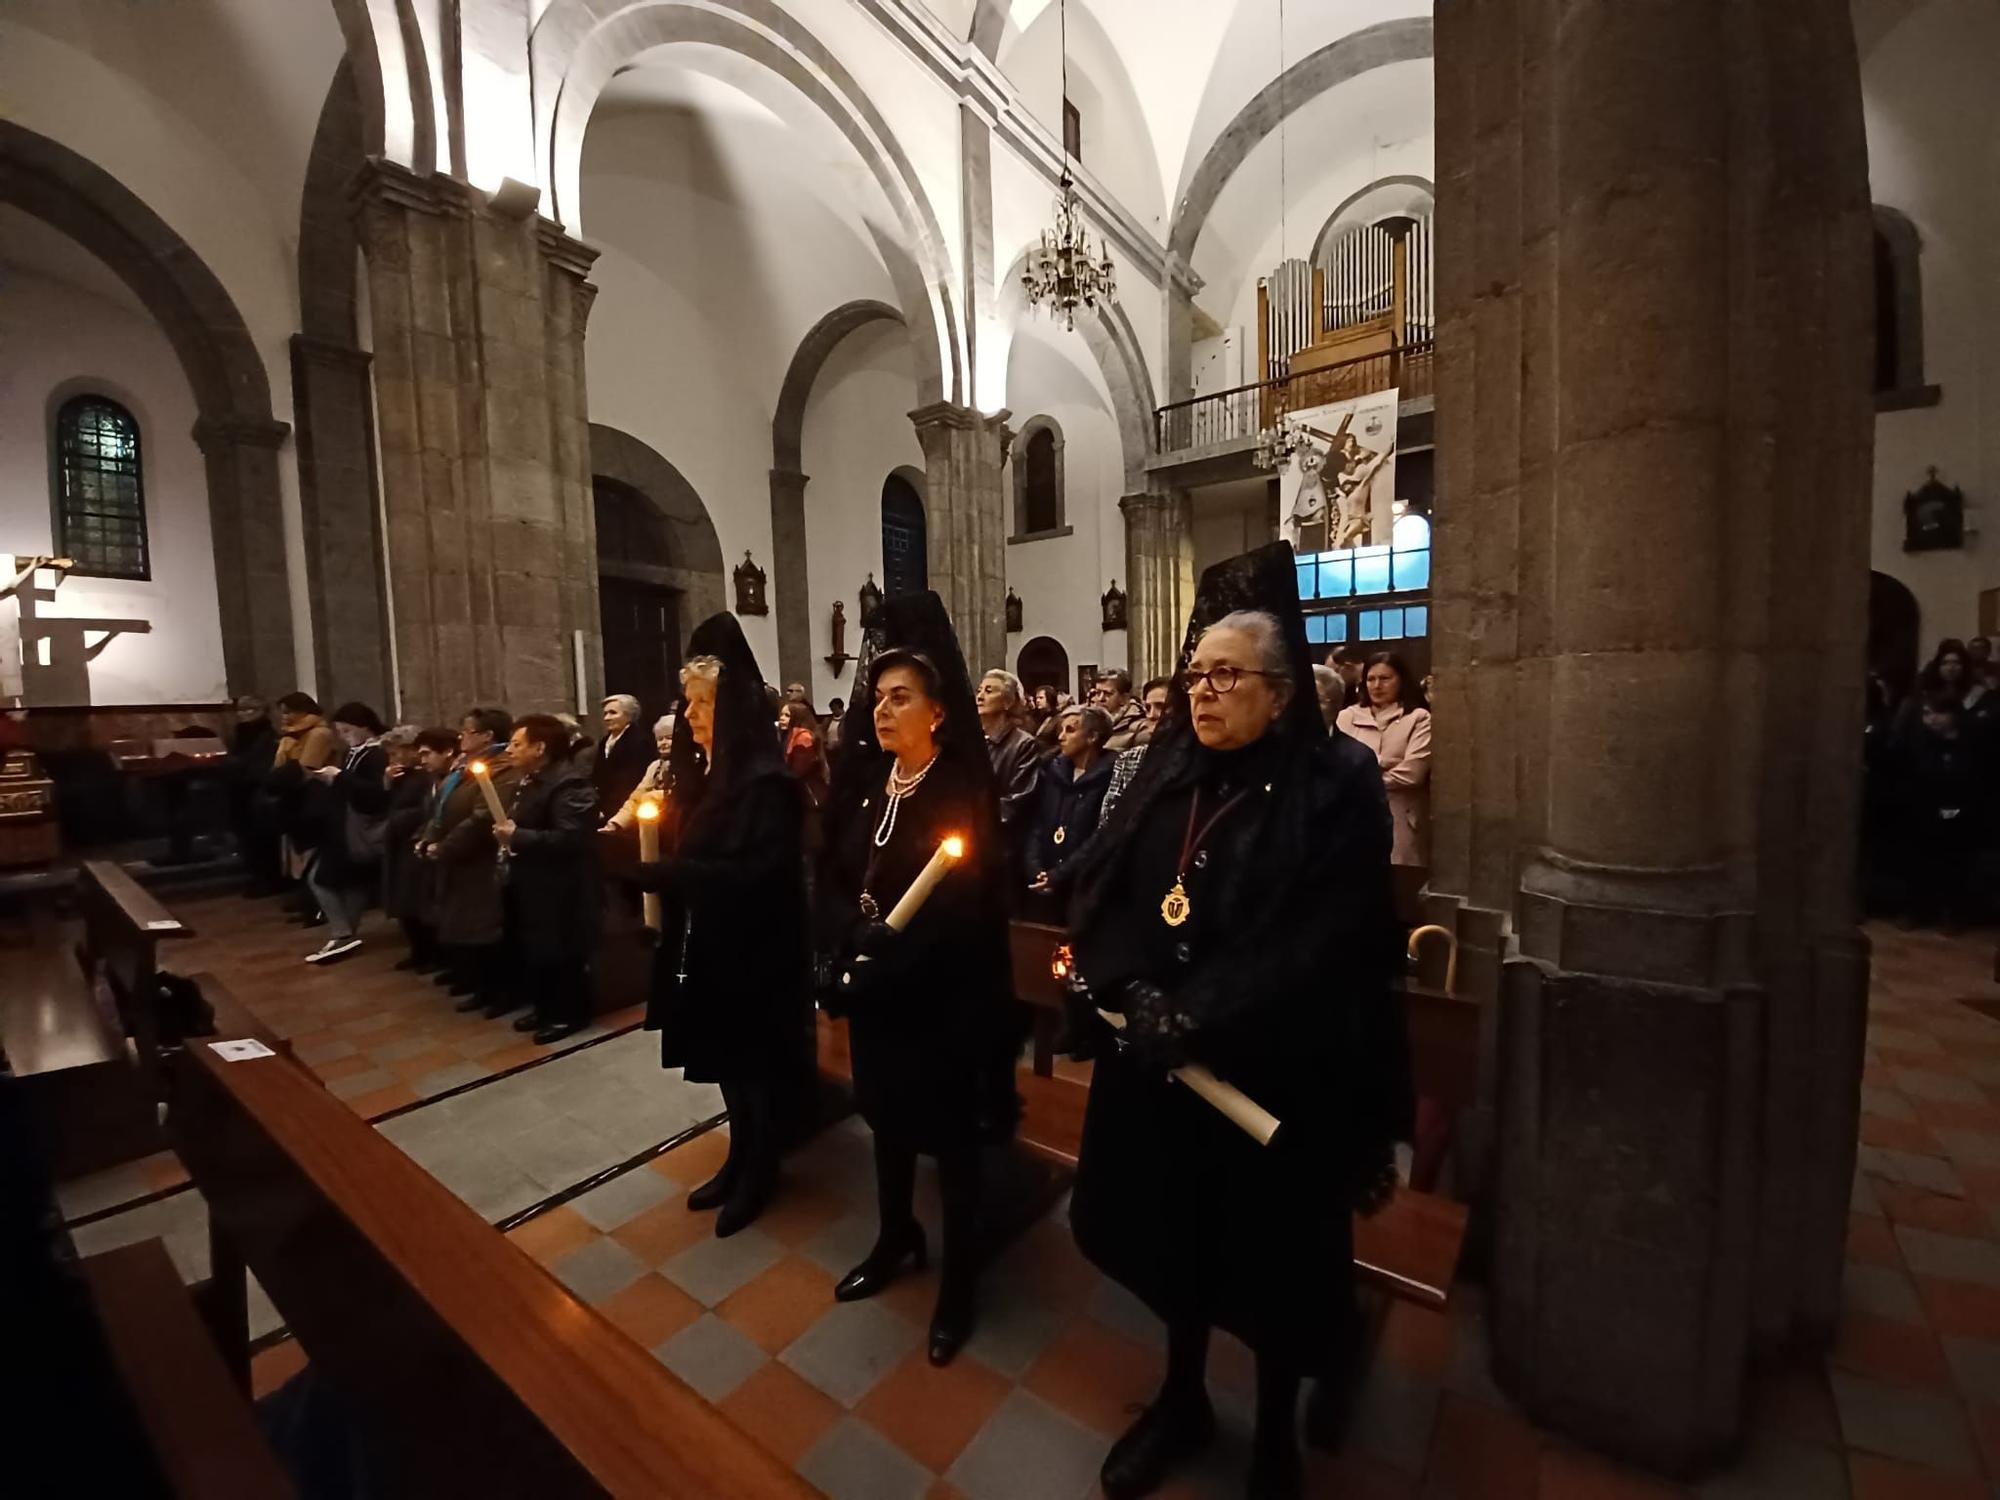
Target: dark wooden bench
(1410,1248)
(198,1424)
(466,1366)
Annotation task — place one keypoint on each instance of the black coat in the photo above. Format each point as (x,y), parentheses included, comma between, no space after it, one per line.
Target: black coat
(731,985)
(405,878)
(1171,1199)
(1069,804)
(615,769)
(349,811)
(928,1037)
(553,910)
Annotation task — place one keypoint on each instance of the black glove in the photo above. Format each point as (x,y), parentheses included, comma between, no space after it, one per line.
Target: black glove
(878,941)
(1155,1033)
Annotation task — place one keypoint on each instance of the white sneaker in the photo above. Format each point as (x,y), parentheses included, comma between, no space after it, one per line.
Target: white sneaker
(333,949)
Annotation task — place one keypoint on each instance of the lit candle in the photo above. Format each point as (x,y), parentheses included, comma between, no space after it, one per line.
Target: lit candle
(649,852)
(485,779)
(1236,1106)
(949,853)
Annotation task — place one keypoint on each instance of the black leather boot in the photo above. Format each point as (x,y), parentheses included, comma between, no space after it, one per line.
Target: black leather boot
(952,1322)
(1171,1431)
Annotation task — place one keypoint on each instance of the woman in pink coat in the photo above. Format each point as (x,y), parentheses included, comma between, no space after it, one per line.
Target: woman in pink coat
(1393,722)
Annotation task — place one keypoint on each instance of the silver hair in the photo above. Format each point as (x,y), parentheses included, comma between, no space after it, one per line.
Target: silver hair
(401,737)
(663,725)
(1326,679)
(1016,694)
(1095,720)
(708,668)
(627,702)
(1262,627)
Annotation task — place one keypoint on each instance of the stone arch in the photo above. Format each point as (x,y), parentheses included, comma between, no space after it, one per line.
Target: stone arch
(1320,240)
(1363,51)
(236,432)
(392,79)
(790,586)
(1023,441)
(579,45)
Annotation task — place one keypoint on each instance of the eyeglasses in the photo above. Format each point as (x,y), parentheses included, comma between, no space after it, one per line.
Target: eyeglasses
(1221,679)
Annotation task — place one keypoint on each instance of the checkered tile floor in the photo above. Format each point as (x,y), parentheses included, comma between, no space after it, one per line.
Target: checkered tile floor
(1906,1405)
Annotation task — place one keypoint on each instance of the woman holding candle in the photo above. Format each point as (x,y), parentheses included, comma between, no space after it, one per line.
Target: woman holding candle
(551,877)
(731,980)
(928,1005)
(1234,911)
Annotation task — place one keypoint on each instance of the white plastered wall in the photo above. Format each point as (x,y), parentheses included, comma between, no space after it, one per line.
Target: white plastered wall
(57,337)
(1934,155)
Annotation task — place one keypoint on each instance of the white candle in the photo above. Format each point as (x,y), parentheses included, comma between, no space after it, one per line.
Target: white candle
(1236,1106)
(485,779)
(949,853)
(649,852)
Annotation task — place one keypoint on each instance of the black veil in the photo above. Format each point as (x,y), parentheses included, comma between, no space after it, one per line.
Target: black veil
(746,743)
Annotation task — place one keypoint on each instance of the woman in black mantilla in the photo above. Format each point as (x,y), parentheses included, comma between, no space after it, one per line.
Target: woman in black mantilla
(731,982)
(1235,909)
(928,1007)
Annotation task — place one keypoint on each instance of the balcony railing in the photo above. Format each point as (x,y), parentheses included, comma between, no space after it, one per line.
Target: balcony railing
(1238,415)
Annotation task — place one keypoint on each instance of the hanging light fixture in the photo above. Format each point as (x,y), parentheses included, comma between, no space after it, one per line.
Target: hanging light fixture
(1276,444)
(1062,271)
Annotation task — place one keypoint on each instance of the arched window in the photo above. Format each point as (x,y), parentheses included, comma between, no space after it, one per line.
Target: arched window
(905,558)
(1039,499)
(1899,314)
(100,492)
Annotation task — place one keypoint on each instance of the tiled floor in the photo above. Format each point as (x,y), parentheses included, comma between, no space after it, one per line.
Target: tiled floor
(1906,1405)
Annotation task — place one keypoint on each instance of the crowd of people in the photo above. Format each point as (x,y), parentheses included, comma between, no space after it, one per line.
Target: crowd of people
(1217,846)
(1931,821)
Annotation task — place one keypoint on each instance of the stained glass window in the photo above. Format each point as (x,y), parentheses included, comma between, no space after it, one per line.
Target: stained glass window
(100,494)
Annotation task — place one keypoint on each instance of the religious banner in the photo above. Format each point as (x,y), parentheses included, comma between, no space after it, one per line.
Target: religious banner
(1338,489)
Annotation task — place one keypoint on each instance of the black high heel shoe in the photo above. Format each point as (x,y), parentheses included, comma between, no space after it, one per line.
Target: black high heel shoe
(714,1192)
(951,1324)
(883,1265)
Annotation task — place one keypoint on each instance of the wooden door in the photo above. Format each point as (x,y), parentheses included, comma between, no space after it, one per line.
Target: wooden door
(642,642)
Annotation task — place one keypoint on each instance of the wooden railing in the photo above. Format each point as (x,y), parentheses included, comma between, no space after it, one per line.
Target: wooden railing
(1239,414)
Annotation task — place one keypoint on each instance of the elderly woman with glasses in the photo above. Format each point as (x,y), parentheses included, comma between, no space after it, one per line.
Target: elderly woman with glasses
(1234,912)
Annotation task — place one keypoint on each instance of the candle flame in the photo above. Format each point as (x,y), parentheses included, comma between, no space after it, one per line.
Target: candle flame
(649,810)
(478,768)
(955,847)
(1060,962)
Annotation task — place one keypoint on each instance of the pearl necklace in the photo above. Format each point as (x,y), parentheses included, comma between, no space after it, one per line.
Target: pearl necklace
(899,788)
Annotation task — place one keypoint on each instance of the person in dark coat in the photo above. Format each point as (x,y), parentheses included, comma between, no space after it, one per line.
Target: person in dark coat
(1236,910)
(418,760)
(1945,804)
(550,876)
(348,800)
(732,981)
(927,1007)
(1068,797)
(252,745)
(465,886)
(1016,761)
(622,756)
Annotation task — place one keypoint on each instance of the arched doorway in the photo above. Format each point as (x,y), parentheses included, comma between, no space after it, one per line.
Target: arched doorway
(1893,626)
(1043,663)
(905,540)
(659,566)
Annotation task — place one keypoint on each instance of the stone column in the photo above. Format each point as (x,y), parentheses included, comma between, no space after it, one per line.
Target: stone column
(484,437)
(1159,568)
(1652,555)
(789,587)
(333,405)
(965,517)
(252,584)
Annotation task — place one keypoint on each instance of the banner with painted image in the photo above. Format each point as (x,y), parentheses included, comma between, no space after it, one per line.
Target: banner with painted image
(1339,487)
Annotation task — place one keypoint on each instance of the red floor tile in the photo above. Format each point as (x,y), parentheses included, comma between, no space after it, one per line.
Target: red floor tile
(1905,1353)
(1098,1377)
(340,1067)
(1356,1476)
(1927,1210)
(782,1303)
(381,1101)
(651,1310)
(931,1414)
(1480,1452)
(782,1411)
(1871,1241)
(1898,1135)
(663,1231)
(550,1236)
(1961,1308)
(798,1212)
(1570,1474)
(1885,1479)
(272,1367)
(1417,1339)
(1985,1419)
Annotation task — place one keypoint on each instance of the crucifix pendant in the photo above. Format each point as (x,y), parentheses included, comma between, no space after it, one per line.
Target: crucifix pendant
(1175,906)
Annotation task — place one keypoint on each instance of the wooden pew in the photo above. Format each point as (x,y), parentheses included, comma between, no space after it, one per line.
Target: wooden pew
(199,1426)
(1410,1248)
(468,1367)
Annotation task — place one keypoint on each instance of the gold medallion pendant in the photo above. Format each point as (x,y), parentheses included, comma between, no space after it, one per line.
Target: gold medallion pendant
(1061,834)
(1175,906)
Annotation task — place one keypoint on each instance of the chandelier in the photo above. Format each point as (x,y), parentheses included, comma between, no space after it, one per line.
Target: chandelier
(1062,271)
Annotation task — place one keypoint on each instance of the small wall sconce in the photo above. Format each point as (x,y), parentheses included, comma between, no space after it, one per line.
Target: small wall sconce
(1013,611)
(1114,607)
(871,600)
